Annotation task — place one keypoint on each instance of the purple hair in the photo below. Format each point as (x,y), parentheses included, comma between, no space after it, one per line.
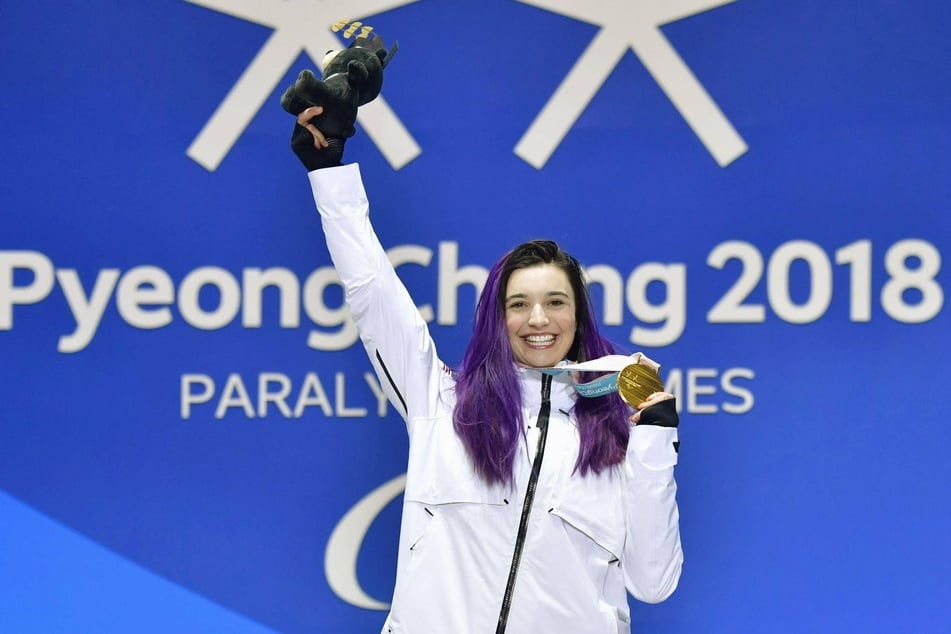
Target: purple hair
(488,414)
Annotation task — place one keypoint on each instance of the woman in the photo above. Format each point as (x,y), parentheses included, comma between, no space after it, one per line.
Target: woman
(527,508)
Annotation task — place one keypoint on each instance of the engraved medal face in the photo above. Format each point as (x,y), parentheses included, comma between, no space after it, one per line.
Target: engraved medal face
(636,383)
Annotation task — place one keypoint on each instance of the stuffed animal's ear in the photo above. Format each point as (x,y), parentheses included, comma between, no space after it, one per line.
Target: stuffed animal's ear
(307,91)
(299,97)
(381,53)
(307,80)
(357,73)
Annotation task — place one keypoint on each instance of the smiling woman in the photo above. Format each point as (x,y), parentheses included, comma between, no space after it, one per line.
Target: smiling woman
(489,539)
(540,314)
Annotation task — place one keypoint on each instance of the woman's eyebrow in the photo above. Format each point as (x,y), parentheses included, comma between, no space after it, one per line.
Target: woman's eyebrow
(547,294)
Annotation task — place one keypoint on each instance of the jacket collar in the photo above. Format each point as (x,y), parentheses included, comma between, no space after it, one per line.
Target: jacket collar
(563,393)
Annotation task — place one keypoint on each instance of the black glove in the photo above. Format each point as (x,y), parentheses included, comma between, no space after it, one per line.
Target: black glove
(314,158)
(304,93)
(662,414)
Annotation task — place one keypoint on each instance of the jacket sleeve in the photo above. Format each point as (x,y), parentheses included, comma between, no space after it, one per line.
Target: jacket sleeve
(652,552)
(394,334)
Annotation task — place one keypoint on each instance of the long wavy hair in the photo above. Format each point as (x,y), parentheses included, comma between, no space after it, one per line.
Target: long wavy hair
(488,414)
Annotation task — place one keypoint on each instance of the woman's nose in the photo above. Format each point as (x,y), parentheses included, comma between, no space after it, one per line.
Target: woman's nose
(538,317)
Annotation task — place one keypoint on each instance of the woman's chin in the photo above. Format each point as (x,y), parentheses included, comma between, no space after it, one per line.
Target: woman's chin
(538,359)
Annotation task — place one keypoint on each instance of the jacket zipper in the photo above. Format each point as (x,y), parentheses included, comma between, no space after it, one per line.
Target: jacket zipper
(542,423)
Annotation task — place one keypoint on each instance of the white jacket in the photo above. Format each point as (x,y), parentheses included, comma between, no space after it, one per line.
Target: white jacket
(590,539)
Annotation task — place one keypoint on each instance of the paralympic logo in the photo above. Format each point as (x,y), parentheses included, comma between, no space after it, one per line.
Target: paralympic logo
(343,547)
(633,25)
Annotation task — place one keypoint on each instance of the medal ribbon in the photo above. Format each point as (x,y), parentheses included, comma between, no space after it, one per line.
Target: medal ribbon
(612,364)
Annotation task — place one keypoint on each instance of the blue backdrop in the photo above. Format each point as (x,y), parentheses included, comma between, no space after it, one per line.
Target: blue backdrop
(190,440)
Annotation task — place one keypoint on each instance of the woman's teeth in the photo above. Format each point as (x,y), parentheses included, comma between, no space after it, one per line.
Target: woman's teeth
(540,340)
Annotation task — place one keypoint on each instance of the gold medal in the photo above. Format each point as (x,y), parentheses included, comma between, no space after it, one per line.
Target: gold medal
(637,382)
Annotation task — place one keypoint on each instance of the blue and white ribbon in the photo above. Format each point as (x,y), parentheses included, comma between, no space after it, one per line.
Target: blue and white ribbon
(612,364)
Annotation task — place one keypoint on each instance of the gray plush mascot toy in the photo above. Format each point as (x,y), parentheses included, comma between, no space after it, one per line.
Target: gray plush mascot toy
(351,77)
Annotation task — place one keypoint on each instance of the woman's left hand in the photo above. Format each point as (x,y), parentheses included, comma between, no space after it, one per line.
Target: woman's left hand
(653,399)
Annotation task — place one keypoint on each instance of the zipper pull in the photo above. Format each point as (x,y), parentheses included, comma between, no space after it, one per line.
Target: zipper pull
(545,410)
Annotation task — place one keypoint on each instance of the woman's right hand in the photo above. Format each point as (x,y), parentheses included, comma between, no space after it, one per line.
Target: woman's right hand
(310,145)
(304,120)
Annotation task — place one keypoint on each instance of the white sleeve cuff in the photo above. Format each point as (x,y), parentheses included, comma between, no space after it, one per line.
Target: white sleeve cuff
(652,447)
(338,191)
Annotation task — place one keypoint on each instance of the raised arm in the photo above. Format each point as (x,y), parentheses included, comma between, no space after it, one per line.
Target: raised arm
(396,338)
(394,334)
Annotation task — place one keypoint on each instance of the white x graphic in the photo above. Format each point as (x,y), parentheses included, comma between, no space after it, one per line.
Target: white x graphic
(631,24)
(298,25)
